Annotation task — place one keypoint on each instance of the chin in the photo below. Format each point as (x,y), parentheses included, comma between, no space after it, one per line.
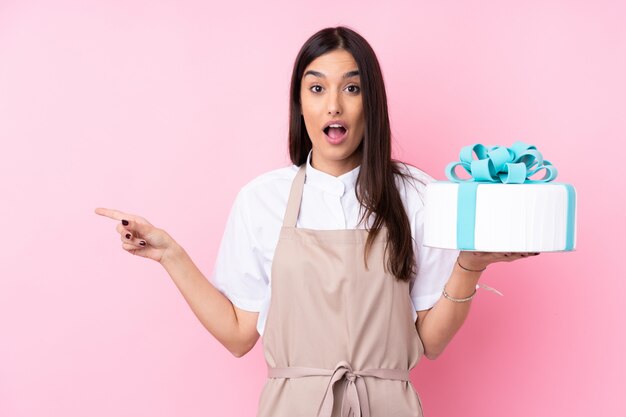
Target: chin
(336,154)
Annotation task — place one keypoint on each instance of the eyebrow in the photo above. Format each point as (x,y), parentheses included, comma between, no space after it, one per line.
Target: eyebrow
(318,74)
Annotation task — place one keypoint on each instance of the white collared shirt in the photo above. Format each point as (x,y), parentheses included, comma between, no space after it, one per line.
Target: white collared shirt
(242,270)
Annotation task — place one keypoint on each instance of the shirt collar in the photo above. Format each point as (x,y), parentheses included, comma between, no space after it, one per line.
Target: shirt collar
(329,183)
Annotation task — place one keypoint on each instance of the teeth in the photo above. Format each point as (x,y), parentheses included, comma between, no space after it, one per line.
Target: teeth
(335,125)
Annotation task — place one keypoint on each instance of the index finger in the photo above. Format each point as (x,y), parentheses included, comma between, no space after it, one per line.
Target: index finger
(114,214)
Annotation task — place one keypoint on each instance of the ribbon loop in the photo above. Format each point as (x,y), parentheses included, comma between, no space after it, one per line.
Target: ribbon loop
(512,165)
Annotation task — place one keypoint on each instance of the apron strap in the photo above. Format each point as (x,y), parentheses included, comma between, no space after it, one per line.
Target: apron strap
(295,197)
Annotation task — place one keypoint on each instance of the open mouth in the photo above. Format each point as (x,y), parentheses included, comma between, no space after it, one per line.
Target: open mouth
(335,132)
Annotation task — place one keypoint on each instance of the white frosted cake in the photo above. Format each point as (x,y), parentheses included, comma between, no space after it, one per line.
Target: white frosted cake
(486,214)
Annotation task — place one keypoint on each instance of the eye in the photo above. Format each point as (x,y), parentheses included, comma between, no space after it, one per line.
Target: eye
(356,90)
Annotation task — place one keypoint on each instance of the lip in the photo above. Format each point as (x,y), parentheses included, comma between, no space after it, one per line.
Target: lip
(340,139)
(341,122)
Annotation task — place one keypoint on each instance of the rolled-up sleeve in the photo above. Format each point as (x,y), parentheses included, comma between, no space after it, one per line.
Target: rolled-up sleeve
(238,271)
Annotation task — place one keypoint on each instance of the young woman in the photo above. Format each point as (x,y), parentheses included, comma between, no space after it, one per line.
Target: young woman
(324,257)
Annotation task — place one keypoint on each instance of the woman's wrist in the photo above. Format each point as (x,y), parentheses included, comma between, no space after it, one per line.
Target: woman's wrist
(173,254)
(470,262)
(462,283)
(469,269)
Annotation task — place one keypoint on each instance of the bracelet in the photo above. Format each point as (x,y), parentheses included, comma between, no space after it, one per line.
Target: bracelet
(458,300)
(471,270)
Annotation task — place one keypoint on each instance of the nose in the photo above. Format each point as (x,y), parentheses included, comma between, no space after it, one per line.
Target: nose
(334,102)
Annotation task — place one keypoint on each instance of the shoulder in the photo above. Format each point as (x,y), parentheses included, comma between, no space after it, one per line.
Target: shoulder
(261,203)
(269,190)
(411,182)
(268,181)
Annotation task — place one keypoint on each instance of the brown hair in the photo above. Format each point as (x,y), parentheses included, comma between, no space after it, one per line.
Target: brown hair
(376,188)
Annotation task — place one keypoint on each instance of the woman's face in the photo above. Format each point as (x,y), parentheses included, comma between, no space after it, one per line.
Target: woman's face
(331,91)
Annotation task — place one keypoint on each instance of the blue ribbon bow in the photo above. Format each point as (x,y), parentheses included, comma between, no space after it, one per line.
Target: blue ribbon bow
(514,165)
(499,164)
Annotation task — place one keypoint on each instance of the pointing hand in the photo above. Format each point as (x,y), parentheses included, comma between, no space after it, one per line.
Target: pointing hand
(138,235)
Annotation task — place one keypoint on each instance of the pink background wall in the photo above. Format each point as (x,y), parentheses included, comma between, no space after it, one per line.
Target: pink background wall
(148,107)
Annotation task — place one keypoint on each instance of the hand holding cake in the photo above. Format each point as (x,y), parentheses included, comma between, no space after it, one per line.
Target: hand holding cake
(477,261)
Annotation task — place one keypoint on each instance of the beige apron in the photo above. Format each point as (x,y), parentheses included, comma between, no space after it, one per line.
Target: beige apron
(339,339)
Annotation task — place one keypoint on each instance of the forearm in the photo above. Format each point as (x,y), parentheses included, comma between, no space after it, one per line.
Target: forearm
(214,310)
(442,321)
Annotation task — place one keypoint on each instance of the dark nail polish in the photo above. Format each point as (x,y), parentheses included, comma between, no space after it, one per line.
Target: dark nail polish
(142,243)
(125,222)
(127,235)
